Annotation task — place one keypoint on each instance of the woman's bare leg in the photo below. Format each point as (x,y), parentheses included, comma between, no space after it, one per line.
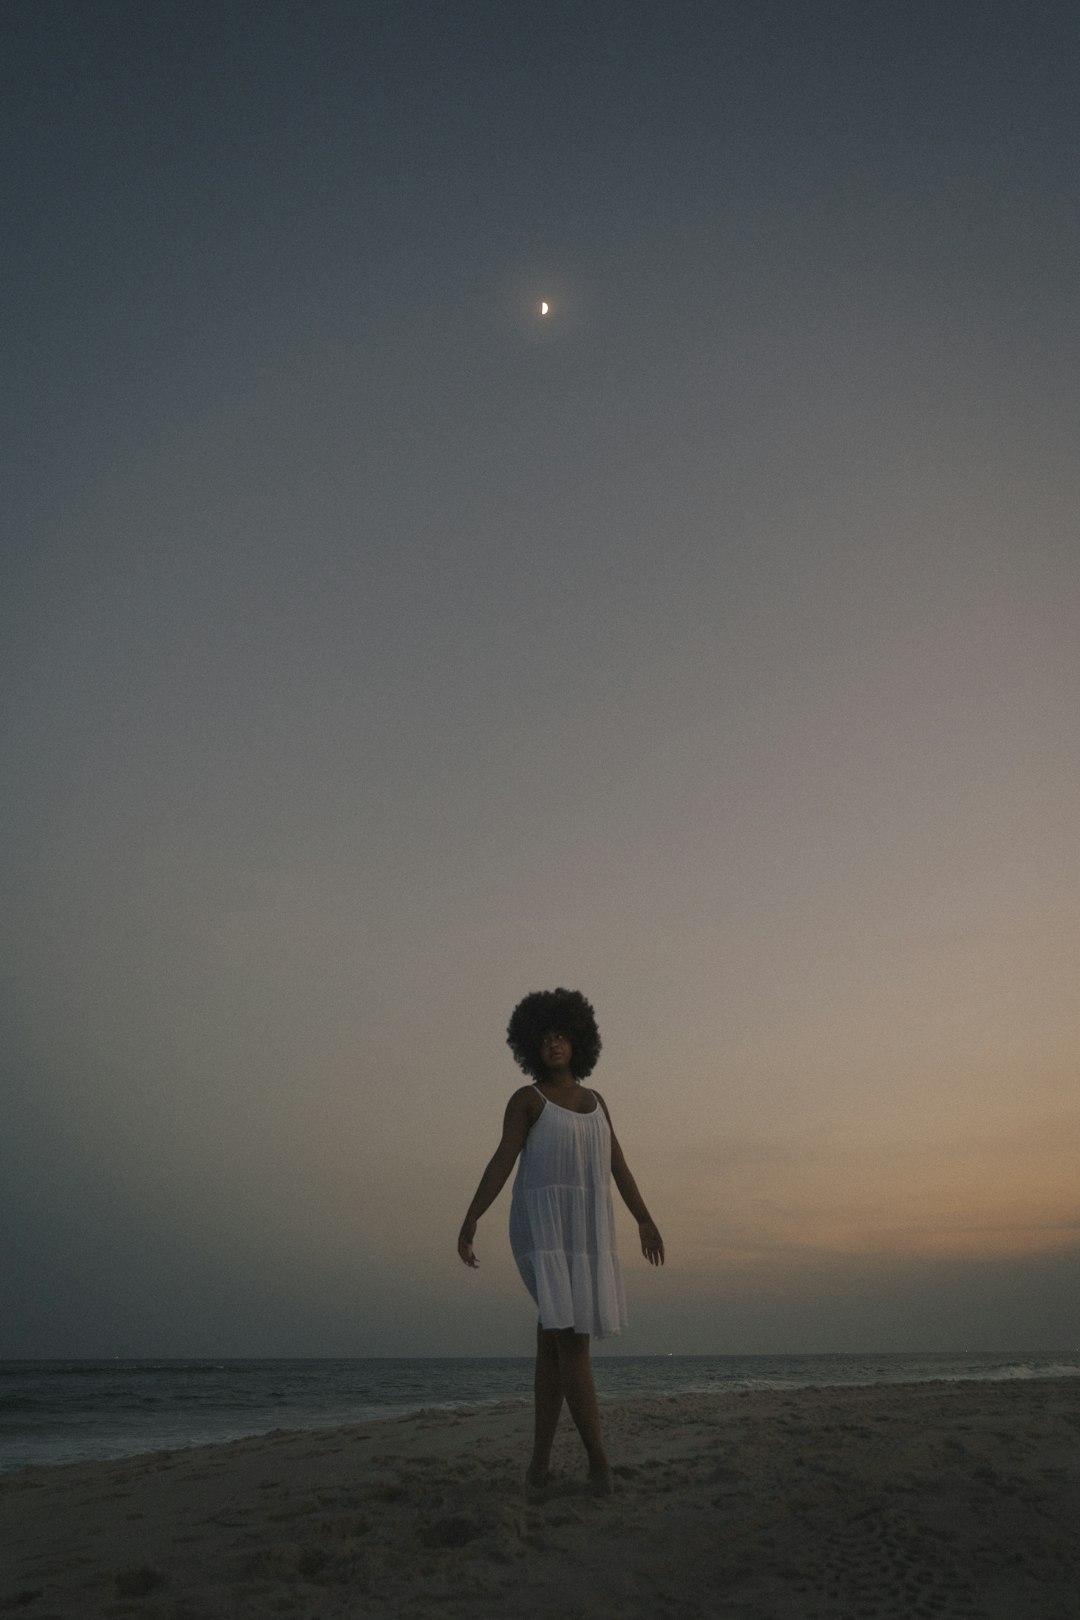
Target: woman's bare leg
(548,1393)
(577,1381)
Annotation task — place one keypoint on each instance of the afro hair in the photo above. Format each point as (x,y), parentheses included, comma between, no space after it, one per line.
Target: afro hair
(564,1010)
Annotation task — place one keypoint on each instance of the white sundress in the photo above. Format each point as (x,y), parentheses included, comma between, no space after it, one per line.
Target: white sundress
(562,1224)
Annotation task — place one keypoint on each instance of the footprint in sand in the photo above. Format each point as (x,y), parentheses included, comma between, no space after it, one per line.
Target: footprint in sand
(879,1566)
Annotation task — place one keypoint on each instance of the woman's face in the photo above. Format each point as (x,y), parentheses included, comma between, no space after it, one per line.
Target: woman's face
(555,1050)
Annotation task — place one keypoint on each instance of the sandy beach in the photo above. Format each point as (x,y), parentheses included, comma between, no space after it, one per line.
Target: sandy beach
(926,1500)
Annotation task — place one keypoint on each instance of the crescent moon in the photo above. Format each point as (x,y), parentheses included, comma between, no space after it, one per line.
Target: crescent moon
(544,307)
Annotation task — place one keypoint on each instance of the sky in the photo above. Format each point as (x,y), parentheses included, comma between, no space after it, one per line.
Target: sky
(377,650)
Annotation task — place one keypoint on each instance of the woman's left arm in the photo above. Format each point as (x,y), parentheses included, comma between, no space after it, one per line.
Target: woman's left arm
(652,1244)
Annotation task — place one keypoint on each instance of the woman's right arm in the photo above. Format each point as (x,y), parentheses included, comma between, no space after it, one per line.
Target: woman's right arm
(516,1122)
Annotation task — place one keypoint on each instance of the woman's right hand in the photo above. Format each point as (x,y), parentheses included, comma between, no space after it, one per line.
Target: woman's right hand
(465,1242)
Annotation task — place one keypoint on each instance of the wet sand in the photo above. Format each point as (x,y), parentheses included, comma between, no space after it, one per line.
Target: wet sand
(912,1502)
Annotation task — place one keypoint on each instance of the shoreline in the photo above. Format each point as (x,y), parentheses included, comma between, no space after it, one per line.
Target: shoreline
(935,1498)
(467,1404)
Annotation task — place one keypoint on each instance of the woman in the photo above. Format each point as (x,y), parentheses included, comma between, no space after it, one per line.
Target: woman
(562,1227)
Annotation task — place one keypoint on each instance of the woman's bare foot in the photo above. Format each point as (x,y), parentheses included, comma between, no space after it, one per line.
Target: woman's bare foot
(601,1482)
(537,1483)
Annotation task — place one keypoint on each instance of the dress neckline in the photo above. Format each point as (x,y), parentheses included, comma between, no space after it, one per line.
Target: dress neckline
(584,1113)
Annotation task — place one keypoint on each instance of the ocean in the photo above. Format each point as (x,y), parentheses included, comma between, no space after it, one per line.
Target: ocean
(72,1411)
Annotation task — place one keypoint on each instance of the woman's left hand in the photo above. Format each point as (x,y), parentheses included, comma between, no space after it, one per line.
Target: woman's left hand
(652,1244)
